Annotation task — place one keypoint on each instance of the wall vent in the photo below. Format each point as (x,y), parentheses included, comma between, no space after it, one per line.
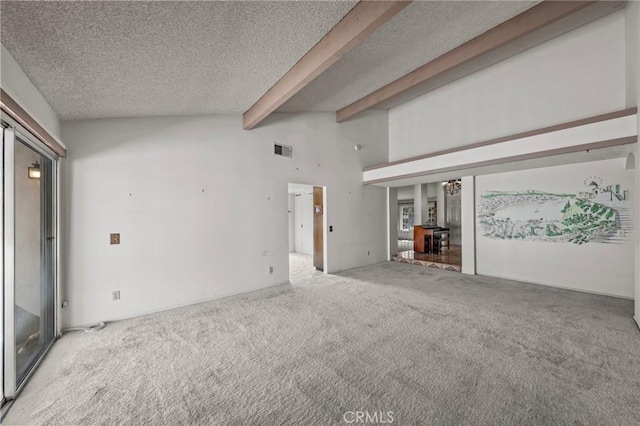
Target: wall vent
(283,150)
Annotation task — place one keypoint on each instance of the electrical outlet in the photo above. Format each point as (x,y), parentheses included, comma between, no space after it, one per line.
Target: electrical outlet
(116,295)
(115,238)
(270,270)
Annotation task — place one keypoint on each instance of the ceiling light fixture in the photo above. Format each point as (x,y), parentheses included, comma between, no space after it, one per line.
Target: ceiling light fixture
(452,186)
(34,171)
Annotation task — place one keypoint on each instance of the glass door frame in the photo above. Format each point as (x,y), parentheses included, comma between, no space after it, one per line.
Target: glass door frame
(9,368)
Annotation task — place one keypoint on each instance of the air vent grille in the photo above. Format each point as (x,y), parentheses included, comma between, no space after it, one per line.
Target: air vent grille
(283,150)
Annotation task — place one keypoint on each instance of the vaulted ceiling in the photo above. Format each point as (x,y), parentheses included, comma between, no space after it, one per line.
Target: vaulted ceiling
(97,59)
(122,59)
(418,34)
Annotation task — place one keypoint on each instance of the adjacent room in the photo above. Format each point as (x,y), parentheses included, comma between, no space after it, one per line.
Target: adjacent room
(320,212)
(430,235)
(306,231)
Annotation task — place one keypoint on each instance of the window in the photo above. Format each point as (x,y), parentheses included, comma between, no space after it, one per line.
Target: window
(431,212)
(406,218)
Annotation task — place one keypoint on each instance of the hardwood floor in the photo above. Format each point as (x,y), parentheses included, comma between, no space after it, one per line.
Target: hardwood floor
(449,259)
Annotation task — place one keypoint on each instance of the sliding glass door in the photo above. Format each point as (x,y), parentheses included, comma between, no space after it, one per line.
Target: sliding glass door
(29,249)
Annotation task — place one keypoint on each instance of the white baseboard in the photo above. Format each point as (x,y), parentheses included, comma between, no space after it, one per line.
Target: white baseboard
(195,302)
(599,293)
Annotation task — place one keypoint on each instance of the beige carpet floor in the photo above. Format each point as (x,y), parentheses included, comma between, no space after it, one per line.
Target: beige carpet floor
(432,347)
(301,268)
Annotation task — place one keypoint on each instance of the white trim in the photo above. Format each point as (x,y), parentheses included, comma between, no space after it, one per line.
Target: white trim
(580,290)
(325,231)
(468,224)
(2,399)
(612,129)
(32,142)
(388,236)
(57,264)
(9,343)
(180,305)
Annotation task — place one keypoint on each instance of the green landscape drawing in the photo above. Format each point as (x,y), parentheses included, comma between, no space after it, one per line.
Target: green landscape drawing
(597,215)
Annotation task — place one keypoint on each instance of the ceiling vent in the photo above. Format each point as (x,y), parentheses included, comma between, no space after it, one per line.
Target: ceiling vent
(283,150)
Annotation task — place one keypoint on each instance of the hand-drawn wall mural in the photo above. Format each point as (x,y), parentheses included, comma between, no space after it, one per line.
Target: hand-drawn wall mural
(598,212)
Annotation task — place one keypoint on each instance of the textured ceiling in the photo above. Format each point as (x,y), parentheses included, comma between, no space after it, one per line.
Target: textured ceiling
(94,59)
(122,59)
(418,34)
(589,14)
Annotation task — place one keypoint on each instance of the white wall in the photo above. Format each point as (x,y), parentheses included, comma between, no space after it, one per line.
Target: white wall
(201,206)
(633,99)
(17,85)
(303,223)
(405,193)
(577,75)
(599,267)
(632,30)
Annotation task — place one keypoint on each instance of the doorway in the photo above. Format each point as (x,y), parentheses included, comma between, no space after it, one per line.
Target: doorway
(428,226)
(306,231)
(28,192)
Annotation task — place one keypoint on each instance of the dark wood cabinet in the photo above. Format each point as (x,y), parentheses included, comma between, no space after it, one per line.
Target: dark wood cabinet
(423,238)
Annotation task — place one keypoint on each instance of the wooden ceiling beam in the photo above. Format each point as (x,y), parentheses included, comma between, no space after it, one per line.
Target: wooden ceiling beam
(515,28)
(350,32)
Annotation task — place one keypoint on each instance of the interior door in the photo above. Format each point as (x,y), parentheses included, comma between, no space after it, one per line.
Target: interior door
(318,228)
(29,290)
